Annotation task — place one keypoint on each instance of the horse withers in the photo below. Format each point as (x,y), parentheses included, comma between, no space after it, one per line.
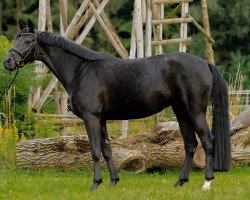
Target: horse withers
(102,87)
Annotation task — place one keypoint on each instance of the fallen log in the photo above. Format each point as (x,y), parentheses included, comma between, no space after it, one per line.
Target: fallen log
(162,148)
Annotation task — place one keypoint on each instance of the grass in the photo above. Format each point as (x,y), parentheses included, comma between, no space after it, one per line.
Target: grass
(48,184)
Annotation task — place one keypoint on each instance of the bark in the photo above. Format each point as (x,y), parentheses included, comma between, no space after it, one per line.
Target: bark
(160,149)
(242,121)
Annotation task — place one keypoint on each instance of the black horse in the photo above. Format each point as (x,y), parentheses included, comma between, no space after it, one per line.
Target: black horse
(102,87)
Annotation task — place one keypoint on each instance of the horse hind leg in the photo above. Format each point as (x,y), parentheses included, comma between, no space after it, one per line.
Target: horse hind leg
(190,145)
(202,129)
(107,154)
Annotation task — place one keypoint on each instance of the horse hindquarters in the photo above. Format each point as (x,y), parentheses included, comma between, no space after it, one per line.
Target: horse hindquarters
(192,94)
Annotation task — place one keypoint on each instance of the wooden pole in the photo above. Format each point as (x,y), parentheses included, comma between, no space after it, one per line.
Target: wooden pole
(183,28)
(63,27)
(48,16)
(91,22)
(63,14)
(132,55)
(50,29)
(171,41)
(76,18)
(173,21)
(172,1)
(139,28)
(108,32)
(79,25)
(148,44)
(38,104)
(144,11)
(207,30)
(111,27)
(158,28)
(210,40)
(42,15)
(45,94)
(36,91)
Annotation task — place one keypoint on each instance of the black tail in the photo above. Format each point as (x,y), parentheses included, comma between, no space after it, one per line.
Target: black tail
(220,126)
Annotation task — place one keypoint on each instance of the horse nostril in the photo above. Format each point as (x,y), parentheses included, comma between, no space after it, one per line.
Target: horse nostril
(8,60)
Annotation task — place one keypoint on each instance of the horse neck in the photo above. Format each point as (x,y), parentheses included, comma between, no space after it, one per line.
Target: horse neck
(62,64)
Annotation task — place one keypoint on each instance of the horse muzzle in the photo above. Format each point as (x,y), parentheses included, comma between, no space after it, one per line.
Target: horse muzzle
(9,62)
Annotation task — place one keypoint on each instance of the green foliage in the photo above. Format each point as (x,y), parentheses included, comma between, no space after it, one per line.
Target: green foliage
(20,89)
(46,128)
(51,184)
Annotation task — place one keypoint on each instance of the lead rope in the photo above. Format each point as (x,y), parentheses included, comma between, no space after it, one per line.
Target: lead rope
(7,88)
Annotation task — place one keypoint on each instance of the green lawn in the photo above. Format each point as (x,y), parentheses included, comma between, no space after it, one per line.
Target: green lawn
(53,185)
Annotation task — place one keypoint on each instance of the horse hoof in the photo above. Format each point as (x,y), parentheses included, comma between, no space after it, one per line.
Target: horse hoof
(207,185)
(95,185)
(180,183)
(113,182)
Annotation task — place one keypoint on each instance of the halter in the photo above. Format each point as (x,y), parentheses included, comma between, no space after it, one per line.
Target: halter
(23,56)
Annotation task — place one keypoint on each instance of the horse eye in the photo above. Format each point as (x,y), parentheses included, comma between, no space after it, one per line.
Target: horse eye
(28,41)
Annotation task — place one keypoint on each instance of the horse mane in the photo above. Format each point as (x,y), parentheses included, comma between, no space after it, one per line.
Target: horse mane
(51,39)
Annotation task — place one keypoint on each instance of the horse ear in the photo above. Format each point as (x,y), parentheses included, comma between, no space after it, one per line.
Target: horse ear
(30,25)
(22,24)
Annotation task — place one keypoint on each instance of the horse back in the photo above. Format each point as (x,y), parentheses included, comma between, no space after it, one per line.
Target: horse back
(136,88)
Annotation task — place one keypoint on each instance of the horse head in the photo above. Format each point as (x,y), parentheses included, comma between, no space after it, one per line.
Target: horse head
(24,49)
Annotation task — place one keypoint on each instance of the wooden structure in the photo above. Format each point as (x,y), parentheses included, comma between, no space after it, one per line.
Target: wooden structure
(146,12)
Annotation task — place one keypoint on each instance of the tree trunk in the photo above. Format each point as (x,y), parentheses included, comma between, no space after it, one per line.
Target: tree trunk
(242,121)
(160,149)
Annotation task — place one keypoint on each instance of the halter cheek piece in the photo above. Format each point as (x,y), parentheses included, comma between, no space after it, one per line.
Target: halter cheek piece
(24,55)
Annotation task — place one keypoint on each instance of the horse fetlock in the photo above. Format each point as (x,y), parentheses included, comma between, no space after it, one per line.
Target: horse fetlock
(95,184)
(113,182)
(180,182)
(207,185)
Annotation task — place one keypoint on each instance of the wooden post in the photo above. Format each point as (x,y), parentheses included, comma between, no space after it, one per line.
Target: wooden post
(139,29)
(144,11)
(42,15)
(63,26)
(53,82)
(148,45)
(63,15)
(79,25)
(183,28)
(132,54)
(207,30)
(50,29)
(48,16)
(76,18)
(91,22)
(45,94)
(158,34)
(108,32)
(36,92)
(113,31)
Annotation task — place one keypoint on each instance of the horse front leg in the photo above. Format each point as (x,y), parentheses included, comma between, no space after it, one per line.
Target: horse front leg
(92,124)
(107,154)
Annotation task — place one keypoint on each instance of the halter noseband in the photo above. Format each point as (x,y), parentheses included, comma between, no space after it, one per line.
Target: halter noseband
(23,56)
